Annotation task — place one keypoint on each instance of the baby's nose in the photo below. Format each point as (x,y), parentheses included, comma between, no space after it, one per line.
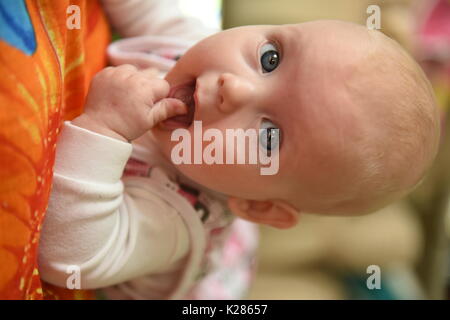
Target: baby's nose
(234,91)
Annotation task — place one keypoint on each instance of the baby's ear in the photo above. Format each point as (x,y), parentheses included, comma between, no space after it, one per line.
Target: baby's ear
(275,213)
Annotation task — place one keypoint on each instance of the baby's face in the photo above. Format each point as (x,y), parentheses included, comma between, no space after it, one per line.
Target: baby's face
(289,77)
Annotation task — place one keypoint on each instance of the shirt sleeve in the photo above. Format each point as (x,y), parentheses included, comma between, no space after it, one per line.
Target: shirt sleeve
(111,232)
(153,17)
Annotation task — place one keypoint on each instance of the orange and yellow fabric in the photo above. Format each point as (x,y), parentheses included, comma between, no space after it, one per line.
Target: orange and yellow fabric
(45,70)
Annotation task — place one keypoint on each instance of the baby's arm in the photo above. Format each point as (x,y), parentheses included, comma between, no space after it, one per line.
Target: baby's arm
(114,233)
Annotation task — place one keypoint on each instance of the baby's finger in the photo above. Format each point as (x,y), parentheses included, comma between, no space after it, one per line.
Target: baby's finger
(126,68)
(167,108)
(158,89)
(150,72)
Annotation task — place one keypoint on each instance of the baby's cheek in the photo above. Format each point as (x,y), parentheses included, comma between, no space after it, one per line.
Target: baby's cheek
(231,179)
(210,169)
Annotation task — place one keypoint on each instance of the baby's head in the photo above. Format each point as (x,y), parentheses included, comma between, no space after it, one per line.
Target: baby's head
(358,123)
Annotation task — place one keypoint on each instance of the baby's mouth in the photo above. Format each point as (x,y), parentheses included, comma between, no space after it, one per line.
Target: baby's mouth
(185,93)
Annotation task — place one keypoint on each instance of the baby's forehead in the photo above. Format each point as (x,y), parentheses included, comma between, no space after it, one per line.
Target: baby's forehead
(325,34)
(319,28)
(289,29)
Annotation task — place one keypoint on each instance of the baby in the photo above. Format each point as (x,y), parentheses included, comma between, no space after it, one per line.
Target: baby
(351,115)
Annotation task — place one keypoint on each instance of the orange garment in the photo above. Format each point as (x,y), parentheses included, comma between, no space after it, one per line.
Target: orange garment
(37,93)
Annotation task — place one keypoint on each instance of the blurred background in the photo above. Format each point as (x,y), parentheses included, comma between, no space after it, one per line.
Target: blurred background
(328,257)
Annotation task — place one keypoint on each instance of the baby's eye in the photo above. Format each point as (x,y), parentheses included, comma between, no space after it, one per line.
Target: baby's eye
(270,58)
(269,135)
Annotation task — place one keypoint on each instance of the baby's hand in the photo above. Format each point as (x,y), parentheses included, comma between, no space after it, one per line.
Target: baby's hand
(124,103)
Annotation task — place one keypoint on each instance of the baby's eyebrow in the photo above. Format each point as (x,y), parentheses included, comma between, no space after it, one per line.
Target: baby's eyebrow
(279,39)
(289,39)
(249,56)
